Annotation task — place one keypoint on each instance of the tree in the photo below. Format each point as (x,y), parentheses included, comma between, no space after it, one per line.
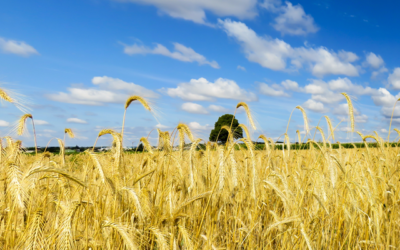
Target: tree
(222,135)
(140,148)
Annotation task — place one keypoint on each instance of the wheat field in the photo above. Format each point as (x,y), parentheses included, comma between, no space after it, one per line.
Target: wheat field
(210,197)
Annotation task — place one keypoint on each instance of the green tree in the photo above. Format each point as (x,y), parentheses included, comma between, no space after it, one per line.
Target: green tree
(222,135)
(140,148)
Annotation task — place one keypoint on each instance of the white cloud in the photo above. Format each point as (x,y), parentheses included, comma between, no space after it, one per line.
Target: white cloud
(290,85)
(16,47)
(109,90)
(194,10)
(241,68)
(384,98)
(394,78)
(273,90)
(203,90)
(40,122)
(292,19)
(160,126)
(345,85)
(217,108)
(383,130)
(194,108)
(314,106)
(181,53)
(374,61)
(274,53)
(197,126)
(4,123)
(76,120)
(377,72)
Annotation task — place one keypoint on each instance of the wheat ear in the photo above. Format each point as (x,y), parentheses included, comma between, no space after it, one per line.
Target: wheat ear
(351,110)
(122,231)
(331,130)
(247,109)
(306,127)
(160,239)
(146,144)
(128,103)
(136,200)
(97,164)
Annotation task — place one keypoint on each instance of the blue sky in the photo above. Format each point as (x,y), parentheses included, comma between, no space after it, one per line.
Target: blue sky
(76,62)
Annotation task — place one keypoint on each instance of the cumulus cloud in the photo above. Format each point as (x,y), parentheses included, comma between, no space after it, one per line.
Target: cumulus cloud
(203,90)
(218,109)
(108,90)
(181,53)
(394,78)
(4,123)
(275,53)
(374,61)
(291,19)
(194,108)
(290,85)
(16,47)
(272,90)
(197,126)
(76,120)
(41,122)
(314,106)
(195,10)
(384,98)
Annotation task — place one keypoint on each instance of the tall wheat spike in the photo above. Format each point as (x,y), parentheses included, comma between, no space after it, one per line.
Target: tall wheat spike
(248,113)
(69,132)
(306,127)
(136,200)
(14,186)
(298,135)
(331,130)
(146,145)
(21,128)
(244,127)
(97,164)
(287,142)
(185,128)
(322,134)
(266,142)
(10,96)
(128,102)
(351,111)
